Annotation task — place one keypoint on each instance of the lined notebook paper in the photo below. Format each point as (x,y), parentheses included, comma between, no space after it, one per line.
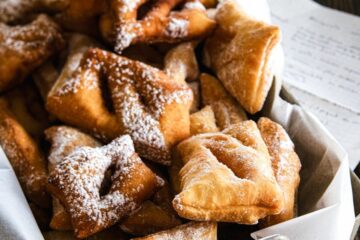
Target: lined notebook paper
(322,65)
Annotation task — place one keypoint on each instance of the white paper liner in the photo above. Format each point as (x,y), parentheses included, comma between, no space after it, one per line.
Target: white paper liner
(16,219)
(325,203)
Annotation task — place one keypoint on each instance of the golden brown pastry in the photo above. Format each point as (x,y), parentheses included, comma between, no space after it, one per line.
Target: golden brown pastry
(189,231)
(227,111)
(153,216)
(23,48)
(77,179)
(24,156)
(203,121)
(160,24)
(13,11)
(64,140)
(146,104)
(180,62)
(108,234)
(286,166)
(241,52)
(227,177)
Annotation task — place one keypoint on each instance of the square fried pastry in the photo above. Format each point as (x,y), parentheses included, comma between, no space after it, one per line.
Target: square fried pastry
(286,166)
(189,231)
(242,53)
(146,103)
(227,177)
(24,48)
(122,27)
(25,157)
(64,140)
(76,182)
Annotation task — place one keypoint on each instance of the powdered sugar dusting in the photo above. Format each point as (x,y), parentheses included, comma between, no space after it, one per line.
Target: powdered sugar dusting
(31,178)
(177,27)
(126,30)
(140,96)
(83,77)
(125,35)
(139,93)
(34,38)
(64,140)
(80,175)
(195,4)
(285,162)
(12,10)
(191,230)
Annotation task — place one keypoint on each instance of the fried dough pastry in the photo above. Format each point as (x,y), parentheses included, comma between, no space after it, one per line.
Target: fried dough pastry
(227,111)
(23,48)
(203,121)
(189,231)
(153,216)
(12,11)
(24,156)
(286,166)
(64,140)
(160,24)
(227,177)
(77,179)
(180,62)
(108,234)
(241,52)
(146,103)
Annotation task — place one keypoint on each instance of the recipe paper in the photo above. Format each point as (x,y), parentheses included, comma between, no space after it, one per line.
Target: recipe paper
(322,65)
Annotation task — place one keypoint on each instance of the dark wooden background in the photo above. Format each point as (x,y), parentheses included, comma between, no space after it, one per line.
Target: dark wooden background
(351,6)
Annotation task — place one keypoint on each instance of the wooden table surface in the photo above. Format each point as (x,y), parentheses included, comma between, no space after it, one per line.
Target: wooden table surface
(351,6)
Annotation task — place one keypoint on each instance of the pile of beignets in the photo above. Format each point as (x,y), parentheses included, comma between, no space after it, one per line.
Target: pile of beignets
(136,119)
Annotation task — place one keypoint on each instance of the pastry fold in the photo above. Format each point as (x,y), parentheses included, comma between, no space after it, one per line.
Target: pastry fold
(142,102)
(286,166)
(64,140)
(227,111)
(241,52)
(203,121)
(227,177)
(76,182)
(24,48)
